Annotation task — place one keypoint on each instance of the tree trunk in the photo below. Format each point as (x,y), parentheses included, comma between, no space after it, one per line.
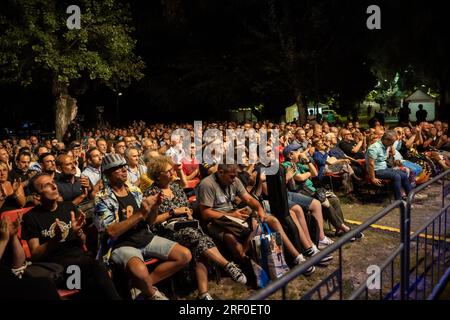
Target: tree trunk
(65,109)
(301,107)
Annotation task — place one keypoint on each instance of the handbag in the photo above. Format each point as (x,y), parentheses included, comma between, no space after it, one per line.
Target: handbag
(268,250)
(49,270)
(177,224)
(262,279)
(239,230)
(320,193)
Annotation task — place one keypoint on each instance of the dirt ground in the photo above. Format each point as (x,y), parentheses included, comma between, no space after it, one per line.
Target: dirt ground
(377,245)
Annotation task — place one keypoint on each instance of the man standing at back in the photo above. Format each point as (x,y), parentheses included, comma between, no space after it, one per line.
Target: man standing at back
(421,114)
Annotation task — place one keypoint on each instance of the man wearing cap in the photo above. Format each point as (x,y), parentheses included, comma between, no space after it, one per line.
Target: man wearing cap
(124,217)
(299,171)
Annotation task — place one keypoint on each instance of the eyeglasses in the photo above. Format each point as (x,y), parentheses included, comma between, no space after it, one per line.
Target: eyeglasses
(167,171)
(123,167)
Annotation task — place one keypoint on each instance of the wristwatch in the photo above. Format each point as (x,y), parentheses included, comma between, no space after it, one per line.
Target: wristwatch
(171,213)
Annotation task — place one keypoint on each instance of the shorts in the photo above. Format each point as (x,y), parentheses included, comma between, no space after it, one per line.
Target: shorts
(300,199)
(157,248)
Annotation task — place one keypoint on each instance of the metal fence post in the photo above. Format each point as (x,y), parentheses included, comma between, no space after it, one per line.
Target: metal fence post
(405,228)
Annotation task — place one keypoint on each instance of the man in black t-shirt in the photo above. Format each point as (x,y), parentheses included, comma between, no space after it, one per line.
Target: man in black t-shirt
(349,145)
(354,150)
(54,233)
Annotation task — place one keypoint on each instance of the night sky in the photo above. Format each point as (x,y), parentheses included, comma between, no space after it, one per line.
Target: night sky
(205,57)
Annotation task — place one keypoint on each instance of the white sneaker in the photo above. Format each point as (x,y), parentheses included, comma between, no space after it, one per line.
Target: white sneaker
(325,242)
(205,296)
(301,259)
(420,196)
(158,295)
(235,273)
(325,260)
(135,293)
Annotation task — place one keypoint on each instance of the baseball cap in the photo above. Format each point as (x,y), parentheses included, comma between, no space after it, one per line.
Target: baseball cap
(292,147)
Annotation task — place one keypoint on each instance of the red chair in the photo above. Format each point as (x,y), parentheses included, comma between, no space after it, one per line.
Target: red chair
(191,184)
(332,176)
(13,215)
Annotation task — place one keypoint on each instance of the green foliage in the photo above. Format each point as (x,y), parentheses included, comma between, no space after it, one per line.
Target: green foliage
(36,43)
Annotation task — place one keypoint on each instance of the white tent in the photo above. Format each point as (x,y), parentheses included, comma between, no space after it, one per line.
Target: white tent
(428,102)
(291,113)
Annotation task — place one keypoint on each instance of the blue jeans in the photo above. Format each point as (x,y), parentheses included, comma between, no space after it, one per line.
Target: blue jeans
(414,167)
(399,179)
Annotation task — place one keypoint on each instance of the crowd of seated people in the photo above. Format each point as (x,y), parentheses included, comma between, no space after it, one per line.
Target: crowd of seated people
(131,185)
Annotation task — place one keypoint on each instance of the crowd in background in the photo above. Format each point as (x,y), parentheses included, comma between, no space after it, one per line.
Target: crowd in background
(110,200)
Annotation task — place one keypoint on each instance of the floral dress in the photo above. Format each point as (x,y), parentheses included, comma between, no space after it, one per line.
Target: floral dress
(194,239)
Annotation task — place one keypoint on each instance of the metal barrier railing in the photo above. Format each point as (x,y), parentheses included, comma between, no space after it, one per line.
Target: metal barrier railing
(282,283)
(404,287)
(436,242)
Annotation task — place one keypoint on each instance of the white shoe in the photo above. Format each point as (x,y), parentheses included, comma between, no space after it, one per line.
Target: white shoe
(420,196)
(235,273)
(299,260)
(205,296)
(325,242)
(135,293)
(325,260)
(158,295)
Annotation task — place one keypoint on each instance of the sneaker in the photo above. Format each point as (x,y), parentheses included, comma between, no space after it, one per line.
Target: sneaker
(158,295)
(235,273)
(301,259)
(205,296)
(325,242)
(358,236)
(420,196)
(325,260)
(135,293)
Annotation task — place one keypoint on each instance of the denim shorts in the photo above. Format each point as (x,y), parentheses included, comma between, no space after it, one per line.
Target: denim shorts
(157,248)
(300,199)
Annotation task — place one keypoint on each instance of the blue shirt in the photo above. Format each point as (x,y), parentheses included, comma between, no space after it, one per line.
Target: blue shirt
(337,153)
(321,160)
(93,174)
(377,152)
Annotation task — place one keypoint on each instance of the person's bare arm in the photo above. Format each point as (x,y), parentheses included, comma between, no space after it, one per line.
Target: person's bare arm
(81,197)
(40,251)
(409,143)
(358,146)
(255,205)
(19,194)
(208,213)
(193,175)
(372,177)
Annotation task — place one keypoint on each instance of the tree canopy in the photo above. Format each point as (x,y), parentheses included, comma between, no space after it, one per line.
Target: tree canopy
(37,45)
